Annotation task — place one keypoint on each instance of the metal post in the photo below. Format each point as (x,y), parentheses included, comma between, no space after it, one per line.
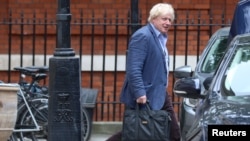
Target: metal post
(134,15)
(64,121)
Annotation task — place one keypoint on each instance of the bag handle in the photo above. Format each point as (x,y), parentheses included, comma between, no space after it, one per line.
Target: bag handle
(148,108)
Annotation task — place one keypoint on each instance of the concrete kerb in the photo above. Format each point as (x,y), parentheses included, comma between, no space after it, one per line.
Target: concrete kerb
(106,127)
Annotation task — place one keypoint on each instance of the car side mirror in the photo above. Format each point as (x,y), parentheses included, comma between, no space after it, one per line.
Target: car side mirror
(207,82)
(183,72)
(188,88)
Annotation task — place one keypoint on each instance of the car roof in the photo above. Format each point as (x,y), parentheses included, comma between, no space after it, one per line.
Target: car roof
(241,19)
(241,39)
(224,31)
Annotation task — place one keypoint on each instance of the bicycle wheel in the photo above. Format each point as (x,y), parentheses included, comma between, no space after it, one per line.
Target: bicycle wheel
(86,125)
(13,137)
(39,108)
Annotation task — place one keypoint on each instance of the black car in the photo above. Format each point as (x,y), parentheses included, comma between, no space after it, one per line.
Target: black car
(206,66)
(227,96)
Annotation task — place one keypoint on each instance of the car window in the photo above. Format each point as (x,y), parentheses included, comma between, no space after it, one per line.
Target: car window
(237,78)
(214,55)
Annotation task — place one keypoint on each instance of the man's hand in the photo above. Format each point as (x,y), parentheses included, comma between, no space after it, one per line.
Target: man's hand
(142,99)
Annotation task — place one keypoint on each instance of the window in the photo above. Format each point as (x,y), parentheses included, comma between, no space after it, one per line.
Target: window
(214,55)
(237,76)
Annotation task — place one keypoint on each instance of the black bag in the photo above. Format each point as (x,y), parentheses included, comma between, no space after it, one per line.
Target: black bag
(145,124)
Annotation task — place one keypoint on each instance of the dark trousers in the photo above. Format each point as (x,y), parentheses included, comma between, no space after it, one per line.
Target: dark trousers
(175,128)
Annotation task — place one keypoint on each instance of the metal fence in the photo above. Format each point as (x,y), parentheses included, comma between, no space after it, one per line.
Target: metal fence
(101,44)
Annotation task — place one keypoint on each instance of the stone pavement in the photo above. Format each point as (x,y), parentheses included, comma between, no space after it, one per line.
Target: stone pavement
(99,137)
(103,130)
(100,130)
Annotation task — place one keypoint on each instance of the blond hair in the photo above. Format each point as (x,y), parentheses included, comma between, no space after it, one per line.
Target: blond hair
(161,9)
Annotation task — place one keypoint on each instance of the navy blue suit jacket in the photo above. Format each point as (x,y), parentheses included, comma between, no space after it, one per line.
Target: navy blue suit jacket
(146,71)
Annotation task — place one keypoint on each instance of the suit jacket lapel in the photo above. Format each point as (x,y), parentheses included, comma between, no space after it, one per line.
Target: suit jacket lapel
(157,42)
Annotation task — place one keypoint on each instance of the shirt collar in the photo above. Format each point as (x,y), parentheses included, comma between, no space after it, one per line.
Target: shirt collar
(157,32)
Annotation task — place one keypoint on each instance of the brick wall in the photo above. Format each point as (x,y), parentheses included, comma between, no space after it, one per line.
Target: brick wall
(27,8)
(108,8)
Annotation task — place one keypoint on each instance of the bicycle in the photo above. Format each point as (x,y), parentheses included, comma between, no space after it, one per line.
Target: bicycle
(32,121)
(32,117)
(33,89)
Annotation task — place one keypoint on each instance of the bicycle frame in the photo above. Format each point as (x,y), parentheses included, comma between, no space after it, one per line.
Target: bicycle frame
(37,127)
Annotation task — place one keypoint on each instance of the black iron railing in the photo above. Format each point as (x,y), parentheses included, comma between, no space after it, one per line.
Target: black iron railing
(101,44)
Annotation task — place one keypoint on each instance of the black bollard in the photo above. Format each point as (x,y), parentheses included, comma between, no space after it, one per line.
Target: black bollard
(64,120)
